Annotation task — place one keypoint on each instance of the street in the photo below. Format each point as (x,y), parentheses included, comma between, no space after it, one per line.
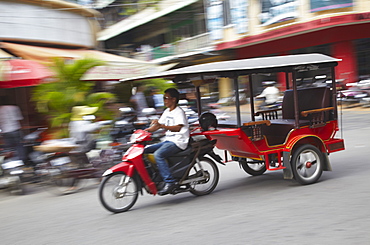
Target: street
(242,210)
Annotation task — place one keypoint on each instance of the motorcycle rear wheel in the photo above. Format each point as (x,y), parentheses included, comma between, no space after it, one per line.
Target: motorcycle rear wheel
(204,168)
(118,192)
(254,169)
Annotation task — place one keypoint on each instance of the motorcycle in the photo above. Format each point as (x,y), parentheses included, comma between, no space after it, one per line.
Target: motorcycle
(194,173)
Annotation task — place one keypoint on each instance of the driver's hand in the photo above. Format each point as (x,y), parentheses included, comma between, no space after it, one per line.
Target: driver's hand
(154,122)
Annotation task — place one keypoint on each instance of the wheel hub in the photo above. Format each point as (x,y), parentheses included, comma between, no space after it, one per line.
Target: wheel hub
(308,164)
(118,192)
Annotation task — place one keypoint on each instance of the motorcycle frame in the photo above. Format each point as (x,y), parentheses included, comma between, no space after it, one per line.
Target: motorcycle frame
(132,163)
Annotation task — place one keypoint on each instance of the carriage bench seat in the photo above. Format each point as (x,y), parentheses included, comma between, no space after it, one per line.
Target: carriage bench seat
(275,131)
(279,129)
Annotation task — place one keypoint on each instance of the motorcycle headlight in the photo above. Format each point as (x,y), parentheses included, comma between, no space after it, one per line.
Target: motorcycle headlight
(133,138)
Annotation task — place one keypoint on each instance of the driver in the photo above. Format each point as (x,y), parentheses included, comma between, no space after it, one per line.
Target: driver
(177,136)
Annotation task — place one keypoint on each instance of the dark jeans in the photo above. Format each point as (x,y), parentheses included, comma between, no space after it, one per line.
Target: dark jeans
(13,141)
(161,152)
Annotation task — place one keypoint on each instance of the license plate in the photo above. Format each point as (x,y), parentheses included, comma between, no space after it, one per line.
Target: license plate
(60,161)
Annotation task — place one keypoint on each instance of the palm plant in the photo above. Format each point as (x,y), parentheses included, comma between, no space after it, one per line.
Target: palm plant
(56,99)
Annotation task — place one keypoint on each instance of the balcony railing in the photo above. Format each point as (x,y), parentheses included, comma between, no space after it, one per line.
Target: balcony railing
(182,47)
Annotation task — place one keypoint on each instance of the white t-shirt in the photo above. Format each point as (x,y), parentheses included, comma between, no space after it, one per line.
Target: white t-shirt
(10,115)
(79,130)
(271,94)
(172,118)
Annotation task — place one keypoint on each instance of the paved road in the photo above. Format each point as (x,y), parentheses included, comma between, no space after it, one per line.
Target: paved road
(242,210)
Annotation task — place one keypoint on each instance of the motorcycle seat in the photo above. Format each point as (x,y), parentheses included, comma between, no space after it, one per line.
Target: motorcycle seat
(185,152)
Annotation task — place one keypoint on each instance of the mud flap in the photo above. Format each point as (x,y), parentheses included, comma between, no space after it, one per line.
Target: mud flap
(215,157)
(288,174)
(327,165)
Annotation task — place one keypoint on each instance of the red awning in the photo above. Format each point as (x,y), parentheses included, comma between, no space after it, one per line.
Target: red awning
(22,73)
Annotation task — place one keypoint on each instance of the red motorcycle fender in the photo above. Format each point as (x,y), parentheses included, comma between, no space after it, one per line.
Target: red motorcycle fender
(125,167)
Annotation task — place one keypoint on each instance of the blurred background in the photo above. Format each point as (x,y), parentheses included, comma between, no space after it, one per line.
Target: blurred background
(88,45)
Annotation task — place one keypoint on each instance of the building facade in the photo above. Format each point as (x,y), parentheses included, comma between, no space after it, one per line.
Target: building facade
(52,23)
(212,30)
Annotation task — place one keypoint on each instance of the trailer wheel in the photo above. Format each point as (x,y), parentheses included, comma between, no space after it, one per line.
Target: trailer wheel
(307,164)
(254,169)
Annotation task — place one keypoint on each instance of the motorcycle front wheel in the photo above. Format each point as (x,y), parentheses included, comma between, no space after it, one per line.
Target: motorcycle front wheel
(205,174)
(118,192)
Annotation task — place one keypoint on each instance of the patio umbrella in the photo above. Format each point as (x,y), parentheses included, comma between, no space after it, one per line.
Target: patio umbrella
(22,73)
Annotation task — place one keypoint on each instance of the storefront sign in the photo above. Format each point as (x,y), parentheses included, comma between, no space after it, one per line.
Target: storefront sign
(320,5)
(215,21)
(239,15)
(275,11)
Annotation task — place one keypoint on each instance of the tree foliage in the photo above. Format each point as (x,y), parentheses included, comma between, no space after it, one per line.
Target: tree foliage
(123,90)
(56,99)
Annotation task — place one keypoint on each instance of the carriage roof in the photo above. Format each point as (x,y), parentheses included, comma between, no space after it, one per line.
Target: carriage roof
(244,66)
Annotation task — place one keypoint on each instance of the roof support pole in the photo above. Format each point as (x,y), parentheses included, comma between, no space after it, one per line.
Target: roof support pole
(287,80)
(334,94)
(197,84)
(199,103)
(237,102)
(295,99)
(251,97)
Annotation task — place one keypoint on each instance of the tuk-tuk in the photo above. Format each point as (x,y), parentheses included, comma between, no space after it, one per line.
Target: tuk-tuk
(296,137)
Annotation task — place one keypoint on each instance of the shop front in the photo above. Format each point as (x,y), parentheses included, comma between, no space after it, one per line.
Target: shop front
(345,37)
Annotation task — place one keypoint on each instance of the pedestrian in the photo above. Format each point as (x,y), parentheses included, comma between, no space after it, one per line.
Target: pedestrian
(10,117)
(176,139)
(138,99)
(81,129)
(149,99)
(270,93)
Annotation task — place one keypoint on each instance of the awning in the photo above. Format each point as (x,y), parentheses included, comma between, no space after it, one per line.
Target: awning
(5,55)
(141,18)
(22,73)
(117,67)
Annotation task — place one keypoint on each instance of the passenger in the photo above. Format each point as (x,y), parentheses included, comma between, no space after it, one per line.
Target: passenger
(177,136)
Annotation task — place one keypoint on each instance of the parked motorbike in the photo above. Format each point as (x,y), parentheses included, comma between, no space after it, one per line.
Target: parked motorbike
(65,167)
(192,116)
(356,93)
(29,141)
(10,173)
(129,121)
(194,173)
(273,106)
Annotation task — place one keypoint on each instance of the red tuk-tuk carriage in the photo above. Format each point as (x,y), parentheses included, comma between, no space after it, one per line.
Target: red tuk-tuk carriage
(296,138)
